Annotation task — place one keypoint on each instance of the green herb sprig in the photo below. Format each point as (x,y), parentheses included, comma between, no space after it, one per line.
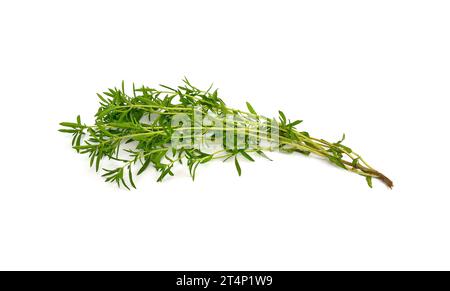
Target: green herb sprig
(137,133)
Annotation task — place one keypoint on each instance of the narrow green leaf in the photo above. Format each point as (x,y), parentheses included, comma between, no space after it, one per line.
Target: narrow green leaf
(297,122)
(262,154)
(228,157)
(164,173)
(68,130)
(144,166)
(130,177)
(92,159)
(167,87)
(369,181)
(247,156)
(69,124)
(282,117)
(250,109)
(97,163)
(238,167)
(102,98)
(78,142)
(83,147)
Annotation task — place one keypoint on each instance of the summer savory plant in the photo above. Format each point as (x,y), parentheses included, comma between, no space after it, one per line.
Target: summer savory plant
(162,127)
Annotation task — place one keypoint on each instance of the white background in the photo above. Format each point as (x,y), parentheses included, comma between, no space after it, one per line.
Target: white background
(377,70)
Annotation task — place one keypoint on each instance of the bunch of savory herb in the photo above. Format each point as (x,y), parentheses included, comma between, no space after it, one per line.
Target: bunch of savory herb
(137,132)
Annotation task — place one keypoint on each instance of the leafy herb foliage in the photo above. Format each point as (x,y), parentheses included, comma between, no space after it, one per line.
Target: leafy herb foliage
(136,131)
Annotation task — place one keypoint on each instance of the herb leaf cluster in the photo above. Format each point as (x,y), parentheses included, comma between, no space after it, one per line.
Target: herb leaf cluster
(136,131)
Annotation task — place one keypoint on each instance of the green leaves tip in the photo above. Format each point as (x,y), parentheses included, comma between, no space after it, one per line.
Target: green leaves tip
(67,130)
(247,156)
(262,154)
(250,109)
(238,167)
(144,166)
(293,124)
(369,181)
(130,177)
(69,124)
